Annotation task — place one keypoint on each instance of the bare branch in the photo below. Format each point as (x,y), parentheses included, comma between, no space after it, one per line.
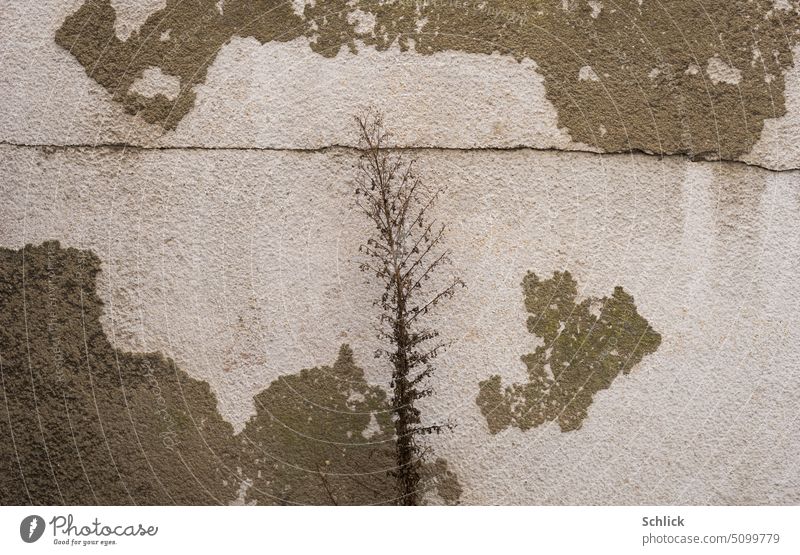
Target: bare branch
(402,254)
(446,293)
(432,243)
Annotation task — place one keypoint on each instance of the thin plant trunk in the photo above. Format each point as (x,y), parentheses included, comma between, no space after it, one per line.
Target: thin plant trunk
(407,474)
(403,254)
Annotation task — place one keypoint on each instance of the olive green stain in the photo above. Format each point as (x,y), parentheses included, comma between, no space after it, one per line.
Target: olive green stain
(82,423)
(586,345)
(652,91)
(324,436)
(443,482)
(311,443)
(197,31)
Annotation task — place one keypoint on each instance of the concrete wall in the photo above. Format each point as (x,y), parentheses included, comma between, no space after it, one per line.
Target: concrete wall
(203,155)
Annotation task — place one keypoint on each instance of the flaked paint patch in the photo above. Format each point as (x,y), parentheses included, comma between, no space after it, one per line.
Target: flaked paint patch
(306,444)
(779,145)
(87,424)
(586,73)
(153,83)
(337,87)
(324,436)
(702,117)
(586,345)
(442,482)
(131,14)
(90,35)
(784,5)
(363,22)
(720,72)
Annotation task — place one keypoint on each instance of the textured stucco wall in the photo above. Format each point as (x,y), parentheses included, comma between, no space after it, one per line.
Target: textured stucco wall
(227,237)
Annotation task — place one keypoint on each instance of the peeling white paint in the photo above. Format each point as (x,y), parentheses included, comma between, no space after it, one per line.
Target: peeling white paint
(242,265)
(131,14)
(710,252)
(757,57)
(299,6)
(364,22)
(372,429)
(154,82)
(447,91)
(251,99)
(720,72)
(783,5)
(779,144)
(355,397)
(586,73)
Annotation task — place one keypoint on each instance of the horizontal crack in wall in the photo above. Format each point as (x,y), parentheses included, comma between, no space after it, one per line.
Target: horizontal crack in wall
(349,148)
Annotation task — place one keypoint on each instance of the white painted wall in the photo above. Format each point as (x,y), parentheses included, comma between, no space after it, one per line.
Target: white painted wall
(241,264)
(284,96)
(192,241)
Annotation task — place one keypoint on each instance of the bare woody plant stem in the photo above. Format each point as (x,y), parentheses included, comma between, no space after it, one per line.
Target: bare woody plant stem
(403,253)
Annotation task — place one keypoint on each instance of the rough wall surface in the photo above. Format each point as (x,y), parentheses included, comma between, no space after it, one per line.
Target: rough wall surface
(193,161)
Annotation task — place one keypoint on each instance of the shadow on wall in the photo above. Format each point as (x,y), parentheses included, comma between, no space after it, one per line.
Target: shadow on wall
(86,424)
(585,347)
